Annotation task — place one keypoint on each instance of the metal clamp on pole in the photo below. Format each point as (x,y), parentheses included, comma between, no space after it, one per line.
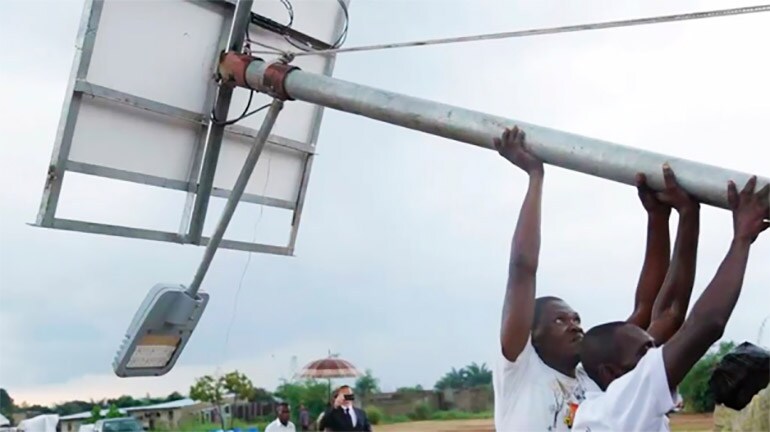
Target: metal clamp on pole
(232,68)
(274,78)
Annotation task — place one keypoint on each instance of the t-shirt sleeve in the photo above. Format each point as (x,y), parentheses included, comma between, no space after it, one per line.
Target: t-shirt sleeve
(505,366)
(507,375)
(639,399)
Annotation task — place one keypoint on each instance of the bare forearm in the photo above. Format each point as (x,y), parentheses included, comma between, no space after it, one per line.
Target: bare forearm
(519,304)
(525,248)
(718,300)
(656,262)
(709,315)
(671,305)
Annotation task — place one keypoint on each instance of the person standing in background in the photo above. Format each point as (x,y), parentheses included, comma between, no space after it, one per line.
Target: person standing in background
(282,422)
(304,418)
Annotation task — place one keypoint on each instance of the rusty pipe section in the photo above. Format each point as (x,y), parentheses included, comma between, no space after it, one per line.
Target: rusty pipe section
(591,156)
(232,69)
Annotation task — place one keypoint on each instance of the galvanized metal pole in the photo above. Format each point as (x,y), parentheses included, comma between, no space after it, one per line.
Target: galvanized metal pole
(235,196)
(215,133)
(591,156)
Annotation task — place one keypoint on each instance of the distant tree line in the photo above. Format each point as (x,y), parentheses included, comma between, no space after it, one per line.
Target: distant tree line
(314,394)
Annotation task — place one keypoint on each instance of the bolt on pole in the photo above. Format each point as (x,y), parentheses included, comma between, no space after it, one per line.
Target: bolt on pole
(574,152)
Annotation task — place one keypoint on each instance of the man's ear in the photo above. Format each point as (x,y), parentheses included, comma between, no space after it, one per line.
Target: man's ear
(537,333)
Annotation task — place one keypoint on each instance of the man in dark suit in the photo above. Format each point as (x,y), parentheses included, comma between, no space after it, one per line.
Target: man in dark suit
(343,416)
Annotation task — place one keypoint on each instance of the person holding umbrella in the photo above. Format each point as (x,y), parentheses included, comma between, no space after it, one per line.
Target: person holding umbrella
(343,416)
(327,369)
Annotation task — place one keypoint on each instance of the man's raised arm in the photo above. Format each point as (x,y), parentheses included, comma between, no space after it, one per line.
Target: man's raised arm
(519,304)
(656,257)
(672,302)
(710,314)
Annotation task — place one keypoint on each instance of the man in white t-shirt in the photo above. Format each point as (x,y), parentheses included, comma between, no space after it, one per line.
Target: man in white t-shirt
(282,422)
(537,381)
(639,380)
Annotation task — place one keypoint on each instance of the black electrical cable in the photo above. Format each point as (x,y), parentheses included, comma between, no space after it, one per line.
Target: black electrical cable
(229,122)
(244,115)
(344,35)
(254,112)
(290,10)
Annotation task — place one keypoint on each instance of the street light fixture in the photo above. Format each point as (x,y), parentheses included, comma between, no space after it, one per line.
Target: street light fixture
(159,331)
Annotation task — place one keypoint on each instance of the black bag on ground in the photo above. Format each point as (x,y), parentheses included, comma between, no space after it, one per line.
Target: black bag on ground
(741,374)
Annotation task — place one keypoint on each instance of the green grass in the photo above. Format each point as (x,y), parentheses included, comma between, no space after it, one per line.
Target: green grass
(440,416)
(460,415)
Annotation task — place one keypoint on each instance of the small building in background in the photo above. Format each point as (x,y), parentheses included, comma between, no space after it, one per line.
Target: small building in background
(72,422)
(167,415)
(172,415)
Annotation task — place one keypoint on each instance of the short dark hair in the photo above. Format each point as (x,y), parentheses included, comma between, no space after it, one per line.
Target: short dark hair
(598,347)
(338,390)
(540,304)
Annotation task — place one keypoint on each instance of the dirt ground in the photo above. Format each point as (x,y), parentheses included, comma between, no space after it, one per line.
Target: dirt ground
(692,422)
(440,426)
(680,423)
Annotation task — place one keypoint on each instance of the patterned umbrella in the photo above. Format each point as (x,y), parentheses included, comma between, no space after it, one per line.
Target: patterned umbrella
(328,368)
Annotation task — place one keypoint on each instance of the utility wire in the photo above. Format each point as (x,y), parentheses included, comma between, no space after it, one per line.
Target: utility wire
(234,313)
(542,31)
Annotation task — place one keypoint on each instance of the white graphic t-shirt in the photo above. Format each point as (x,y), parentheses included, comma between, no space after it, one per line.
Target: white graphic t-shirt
(637,401)
(530,396)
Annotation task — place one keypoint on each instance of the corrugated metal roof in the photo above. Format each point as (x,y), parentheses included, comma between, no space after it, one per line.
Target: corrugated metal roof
(181,403)
(87,414)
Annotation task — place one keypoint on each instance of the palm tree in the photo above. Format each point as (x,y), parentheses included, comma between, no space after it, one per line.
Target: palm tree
(477,375)
(454,379)
(473,375)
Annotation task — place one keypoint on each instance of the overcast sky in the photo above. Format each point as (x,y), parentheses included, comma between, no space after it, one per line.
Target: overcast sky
(401,259)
